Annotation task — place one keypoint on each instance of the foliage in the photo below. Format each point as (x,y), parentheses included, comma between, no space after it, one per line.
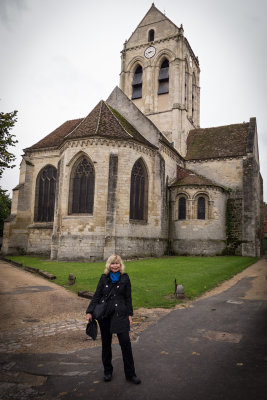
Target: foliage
(5,207)
(7,121)
(152,279)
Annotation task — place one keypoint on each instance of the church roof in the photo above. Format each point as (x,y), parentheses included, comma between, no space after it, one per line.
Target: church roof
(102,121)
(154,15)
(55,138)
(218,142)
(186,177)
(105,121)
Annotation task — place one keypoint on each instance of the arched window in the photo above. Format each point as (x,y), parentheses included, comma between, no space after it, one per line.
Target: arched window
(151,35)
(164,77)
(193,95)
(82,187)
(138,194)
(201,208)
(137,83)
(45,194)
(182,208)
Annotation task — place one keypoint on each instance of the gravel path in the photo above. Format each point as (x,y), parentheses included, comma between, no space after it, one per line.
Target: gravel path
(34,310)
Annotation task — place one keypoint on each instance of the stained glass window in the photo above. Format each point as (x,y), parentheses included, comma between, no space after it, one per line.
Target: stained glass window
(45,194)
(82,187)
(201,208)
(138,195)
(182,208)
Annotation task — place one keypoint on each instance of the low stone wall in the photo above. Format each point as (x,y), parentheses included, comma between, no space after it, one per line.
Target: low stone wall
(198,247)
(39,241)
(81,247)
(135,247)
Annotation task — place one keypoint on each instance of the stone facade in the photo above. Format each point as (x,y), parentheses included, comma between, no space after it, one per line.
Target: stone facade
(137,176)
(177,111)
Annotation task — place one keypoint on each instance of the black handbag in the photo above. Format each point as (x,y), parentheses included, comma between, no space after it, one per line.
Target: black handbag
(91,329)
(100,310)
(101,307)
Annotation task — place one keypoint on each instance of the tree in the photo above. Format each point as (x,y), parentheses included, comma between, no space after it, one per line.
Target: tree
(7,121)
(5,207)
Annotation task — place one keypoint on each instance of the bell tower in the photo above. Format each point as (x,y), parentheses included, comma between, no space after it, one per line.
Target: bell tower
(160,74)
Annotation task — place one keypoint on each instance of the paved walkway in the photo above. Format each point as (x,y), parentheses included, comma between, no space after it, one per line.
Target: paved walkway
(215,348)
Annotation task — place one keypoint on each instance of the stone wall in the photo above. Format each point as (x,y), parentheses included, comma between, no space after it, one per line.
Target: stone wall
(170,112)
(198,247)
(197,236)
(96,236)
(39,239)
(17,231)
(226,171)
(135,247)
(252,197)
(234,212)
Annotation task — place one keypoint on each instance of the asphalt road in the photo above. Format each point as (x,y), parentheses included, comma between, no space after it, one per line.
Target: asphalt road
(214,348)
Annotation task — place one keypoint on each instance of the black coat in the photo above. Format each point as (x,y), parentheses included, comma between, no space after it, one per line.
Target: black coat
(119,303)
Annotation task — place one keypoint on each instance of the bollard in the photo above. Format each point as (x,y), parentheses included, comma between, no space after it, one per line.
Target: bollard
(72,279)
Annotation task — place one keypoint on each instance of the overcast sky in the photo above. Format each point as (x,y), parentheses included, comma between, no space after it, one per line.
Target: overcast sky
(60,57)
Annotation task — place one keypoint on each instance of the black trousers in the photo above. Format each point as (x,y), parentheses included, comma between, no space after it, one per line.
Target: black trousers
(126,348)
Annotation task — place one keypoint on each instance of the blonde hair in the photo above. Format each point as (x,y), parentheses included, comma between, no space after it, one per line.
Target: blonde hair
(115,258)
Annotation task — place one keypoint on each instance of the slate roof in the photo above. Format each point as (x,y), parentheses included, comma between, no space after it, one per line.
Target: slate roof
(186,177)
(102,121)
(218,142)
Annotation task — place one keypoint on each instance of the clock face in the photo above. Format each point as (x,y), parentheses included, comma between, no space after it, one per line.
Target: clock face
(150,52)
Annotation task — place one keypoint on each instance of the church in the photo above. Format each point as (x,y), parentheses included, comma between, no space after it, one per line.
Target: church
(138,176)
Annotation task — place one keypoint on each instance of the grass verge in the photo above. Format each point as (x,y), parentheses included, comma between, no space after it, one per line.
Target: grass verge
(152,279)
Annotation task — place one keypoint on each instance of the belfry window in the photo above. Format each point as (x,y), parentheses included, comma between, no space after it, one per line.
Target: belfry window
(151,35)
(82,186)
(137,83)
(164,78)
(182,208)
(201,208)
(45,194)
(138,192)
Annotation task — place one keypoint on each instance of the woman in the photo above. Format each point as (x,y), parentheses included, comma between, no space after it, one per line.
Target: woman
(115,285)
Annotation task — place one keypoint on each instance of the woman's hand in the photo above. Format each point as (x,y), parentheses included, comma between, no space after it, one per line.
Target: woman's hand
(89,317)
(130,319)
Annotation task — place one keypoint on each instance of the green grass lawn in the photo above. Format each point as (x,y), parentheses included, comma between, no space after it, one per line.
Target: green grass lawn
(152,279)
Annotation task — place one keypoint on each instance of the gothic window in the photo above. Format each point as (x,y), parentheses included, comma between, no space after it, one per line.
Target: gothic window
(164,77)
(201,208)
(182,208)
(138,194)
(151,35)
(137,83)
(45,194)
(82,187)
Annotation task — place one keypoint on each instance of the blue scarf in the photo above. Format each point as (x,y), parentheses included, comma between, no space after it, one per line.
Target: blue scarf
(115,277)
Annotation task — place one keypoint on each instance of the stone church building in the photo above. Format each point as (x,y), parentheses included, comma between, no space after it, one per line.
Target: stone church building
(138,176)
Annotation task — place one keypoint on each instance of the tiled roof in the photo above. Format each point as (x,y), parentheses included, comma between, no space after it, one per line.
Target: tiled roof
(102,121)
(221,141)
(105,121)
(186,177)
(55,138)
